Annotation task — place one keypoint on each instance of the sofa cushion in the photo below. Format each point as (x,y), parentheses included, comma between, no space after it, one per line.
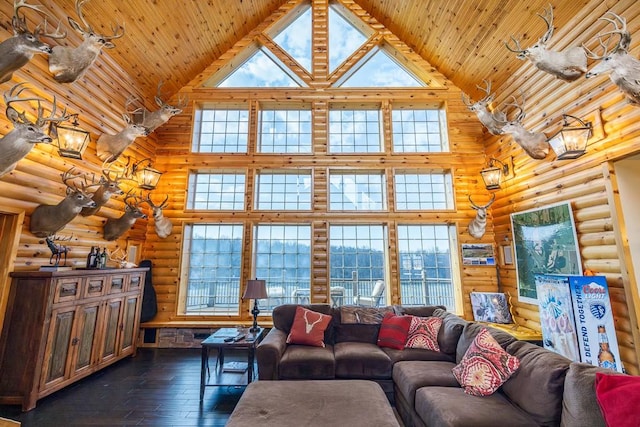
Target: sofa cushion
(284,314)
(361,360)
(579,397)
(485,366)
(471,330)
(538,385)
(423,333)
(346,328)
(451,407)
(411,375)
(302,362)
(416,354)
(308,327)
(350,314)
(450,332)
(618,397)
(393,331)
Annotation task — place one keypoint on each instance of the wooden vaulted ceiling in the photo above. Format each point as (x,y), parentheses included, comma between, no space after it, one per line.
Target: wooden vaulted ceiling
(174,40)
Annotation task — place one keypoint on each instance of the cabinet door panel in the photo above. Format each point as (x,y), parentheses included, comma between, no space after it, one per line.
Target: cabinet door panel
(58,345)
(129,321)
(112,323)
(85,336)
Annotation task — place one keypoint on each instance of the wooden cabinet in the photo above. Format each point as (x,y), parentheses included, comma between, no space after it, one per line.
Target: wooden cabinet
(62,326)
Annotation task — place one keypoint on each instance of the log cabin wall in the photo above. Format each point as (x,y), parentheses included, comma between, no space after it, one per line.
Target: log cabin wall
(588,183)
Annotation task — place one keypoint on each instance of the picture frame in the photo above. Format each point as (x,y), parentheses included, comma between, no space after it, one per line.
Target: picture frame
(545,242)
(478,254)
(492,307)
(507,254)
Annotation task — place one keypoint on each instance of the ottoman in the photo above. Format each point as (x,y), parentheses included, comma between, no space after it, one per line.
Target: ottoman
(350,403)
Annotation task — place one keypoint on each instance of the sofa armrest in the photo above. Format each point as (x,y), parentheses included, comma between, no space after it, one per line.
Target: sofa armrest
(269,352)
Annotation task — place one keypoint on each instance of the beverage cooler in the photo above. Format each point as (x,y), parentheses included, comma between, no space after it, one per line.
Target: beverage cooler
(576,319)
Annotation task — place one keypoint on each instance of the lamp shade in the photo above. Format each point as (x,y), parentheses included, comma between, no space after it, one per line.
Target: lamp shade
(256,289)
(570,142)
(71,140)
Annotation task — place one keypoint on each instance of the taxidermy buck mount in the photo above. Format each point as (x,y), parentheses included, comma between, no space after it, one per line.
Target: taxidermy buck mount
(107,187)
(110,147)
(624,69)
(533,143)
(116,227)
(163,224)
(152,120)
(69,64)
(47,220)
(16,144)
(568,65)
(492,120)
(478,225)
(17,51)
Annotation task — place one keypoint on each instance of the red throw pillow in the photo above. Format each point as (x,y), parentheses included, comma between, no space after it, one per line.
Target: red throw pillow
(393,331)
(308,327)
(619,398)
(423,333)
(485,366)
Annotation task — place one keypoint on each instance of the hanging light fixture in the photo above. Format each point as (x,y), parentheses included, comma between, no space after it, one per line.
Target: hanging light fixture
(571,142)
(492,174)
(70,140)
(147,177)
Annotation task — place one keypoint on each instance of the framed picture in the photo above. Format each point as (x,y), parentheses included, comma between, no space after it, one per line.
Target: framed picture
(545,242)
(507,254)
(478,254)
(490,307)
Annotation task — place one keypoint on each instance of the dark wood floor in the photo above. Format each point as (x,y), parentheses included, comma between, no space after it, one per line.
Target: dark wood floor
(158,387)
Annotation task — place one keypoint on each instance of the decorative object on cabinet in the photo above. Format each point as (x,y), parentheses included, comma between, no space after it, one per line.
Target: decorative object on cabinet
(18,50)
(478,225)
(17,143)
(492,120)
(62,326)
(57,249)
(623,69)
(492,174)
(47,220)
(70,140)
(116,227)
(568,65)
(119,256)
(107,187)
(162,224)
(570,142)
(255,290)
(533,143)
(69,64)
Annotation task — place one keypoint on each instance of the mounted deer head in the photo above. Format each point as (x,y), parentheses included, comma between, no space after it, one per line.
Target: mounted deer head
(478,225)
(624,69)
(155,119)
(17,51)
(533,143)
(567,65)
(163,224)
(107,187)
(116,227)
(17,143)
(120,257)
(110,147)
(47,220)
(491,120)
(69,64)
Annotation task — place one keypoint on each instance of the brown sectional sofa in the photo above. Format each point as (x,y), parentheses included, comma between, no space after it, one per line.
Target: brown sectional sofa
(547,389)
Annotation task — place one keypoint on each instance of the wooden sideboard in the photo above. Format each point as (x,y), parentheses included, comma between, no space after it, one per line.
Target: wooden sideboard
(62,326)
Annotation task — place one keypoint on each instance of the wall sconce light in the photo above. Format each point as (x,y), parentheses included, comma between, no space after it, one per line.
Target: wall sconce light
(571,142)
(492,174)
(147,177)
(71,140)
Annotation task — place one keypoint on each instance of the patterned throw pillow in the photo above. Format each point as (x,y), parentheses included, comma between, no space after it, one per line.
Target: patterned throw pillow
(423,333)
(485,366)
(308,327)
(393,331)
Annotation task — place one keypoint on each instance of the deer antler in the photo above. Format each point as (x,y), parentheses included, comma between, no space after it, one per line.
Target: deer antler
(518,49)
(548,19)
(493,198)
(20,23)
(116,35)
(623,43)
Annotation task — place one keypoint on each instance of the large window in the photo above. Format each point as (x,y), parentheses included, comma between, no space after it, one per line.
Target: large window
(357,191)
(425,265)
(212,256)
(354,131)
(220,131)
(283,190)
(285,131)
(423,191)
(216,191)
(416,131)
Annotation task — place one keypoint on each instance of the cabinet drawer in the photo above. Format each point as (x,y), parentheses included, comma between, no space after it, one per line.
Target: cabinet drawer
(115,284)
(135,281)
(95,286)
(67,289)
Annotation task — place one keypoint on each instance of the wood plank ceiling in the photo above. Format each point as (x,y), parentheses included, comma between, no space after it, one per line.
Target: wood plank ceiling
(174,40)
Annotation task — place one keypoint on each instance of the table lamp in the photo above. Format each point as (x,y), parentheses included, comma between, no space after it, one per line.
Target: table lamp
(256,289)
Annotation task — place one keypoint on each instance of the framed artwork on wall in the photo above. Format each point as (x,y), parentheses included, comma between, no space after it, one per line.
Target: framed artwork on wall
(545,242)
(478,254)
(507,254)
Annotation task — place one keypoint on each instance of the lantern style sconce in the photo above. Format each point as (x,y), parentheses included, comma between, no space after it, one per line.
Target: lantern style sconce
(492,174)
(70,140)
(571,141)
(147,177)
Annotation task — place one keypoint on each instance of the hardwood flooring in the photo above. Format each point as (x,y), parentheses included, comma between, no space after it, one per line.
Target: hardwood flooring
(158,387)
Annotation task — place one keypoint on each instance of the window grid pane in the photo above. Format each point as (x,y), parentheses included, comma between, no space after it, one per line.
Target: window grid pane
(423,191)
(214,254)
(283,191)
(354,131)
(357,191)
(221,191)
(424,265)
(221,131)
(419,131)
(285,131)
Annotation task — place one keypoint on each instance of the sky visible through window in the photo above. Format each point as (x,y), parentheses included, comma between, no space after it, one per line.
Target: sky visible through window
(295,39)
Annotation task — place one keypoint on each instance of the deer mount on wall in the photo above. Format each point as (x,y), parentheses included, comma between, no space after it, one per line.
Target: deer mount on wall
(152,120)
(533,143)
(110,147)
(162,224)
(492,120)
(107,186)
(116,227)
(478,225)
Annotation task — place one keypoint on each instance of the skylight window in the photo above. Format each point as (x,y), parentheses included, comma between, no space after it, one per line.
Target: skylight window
(295,39)
(344,39)
(260,70)
(380,70)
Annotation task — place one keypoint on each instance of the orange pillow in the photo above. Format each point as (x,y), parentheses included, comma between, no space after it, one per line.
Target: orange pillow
(308,327)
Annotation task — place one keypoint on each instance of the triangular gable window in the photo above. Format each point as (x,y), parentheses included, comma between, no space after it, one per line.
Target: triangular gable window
(344,39)
(260,70)
(295,39)
(380,70)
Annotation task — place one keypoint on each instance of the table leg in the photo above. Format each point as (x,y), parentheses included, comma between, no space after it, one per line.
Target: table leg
(220,358)
(250,364)
(203,369)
